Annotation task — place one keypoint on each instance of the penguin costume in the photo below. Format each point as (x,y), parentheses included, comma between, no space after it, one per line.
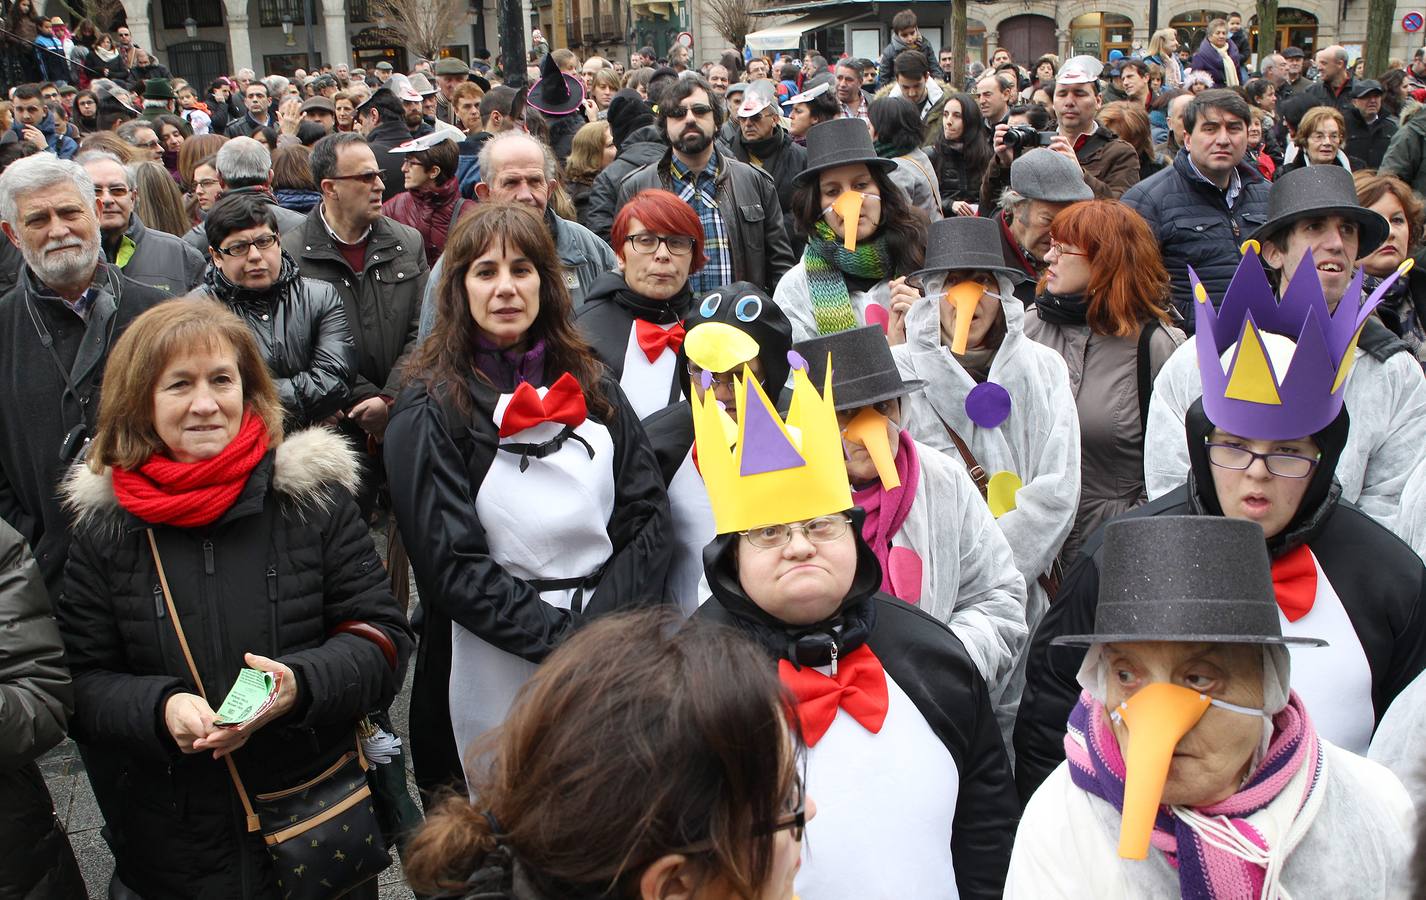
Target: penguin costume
(903,754)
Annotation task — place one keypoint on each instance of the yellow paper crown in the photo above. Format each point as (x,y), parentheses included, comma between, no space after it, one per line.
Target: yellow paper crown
(776,471)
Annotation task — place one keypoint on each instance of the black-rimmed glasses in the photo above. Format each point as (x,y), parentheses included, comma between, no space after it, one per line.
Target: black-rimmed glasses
(1283,465)
(646,243)
(241,248)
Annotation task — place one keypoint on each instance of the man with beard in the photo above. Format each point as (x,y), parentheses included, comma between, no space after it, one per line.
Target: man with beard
(736,203)
(763,142)
(383,120)
(156,258)
(57,326)
(518,168)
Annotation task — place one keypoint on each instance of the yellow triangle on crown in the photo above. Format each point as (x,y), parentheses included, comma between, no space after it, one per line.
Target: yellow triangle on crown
(1252,377)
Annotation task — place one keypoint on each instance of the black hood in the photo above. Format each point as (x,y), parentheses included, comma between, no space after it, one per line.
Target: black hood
(1322,490)
(769,326)
(805,645)
(612,287)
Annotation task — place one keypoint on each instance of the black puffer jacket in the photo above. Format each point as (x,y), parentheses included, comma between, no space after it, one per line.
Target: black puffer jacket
(642,146)
(958,180)
(286,564)
(1195,227)
(35,702)
(302,332)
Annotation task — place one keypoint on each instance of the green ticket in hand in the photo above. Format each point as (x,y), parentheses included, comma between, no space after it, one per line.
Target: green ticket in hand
(252,695)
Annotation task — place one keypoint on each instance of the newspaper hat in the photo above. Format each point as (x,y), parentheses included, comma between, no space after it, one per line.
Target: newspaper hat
(1079,70)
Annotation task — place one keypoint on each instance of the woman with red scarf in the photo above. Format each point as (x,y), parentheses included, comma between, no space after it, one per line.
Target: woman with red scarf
(935,538)
(269,566)
(432,203)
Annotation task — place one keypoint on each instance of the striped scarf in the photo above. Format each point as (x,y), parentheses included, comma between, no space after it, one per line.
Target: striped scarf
(826,259)
(1218,854)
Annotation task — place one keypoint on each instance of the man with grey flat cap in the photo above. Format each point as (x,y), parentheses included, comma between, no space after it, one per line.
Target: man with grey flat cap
(1369,132)
(1316,229)
(450,74)
(1042,182)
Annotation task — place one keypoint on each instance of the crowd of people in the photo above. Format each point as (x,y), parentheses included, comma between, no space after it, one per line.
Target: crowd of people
(817,479)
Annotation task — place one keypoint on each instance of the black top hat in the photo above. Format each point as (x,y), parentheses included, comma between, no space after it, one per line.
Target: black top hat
(1186,578)
(840,142)
(863,369)
(747,308)
(1320,191)
(555,93)
(966,242)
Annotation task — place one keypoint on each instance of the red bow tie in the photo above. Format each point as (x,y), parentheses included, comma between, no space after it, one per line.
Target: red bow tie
(859,687)
(1295,582)
(563,403)
(653,339)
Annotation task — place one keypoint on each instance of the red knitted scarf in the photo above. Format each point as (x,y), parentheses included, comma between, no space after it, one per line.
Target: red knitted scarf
(191,495)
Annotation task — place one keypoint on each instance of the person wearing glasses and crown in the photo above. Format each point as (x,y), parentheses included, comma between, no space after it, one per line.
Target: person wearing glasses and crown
(903,750)
(1265,442)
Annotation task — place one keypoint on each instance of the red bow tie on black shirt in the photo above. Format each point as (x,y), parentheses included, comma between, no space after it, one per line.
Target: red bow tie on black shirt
(563,403)
(653,339)
(859,687)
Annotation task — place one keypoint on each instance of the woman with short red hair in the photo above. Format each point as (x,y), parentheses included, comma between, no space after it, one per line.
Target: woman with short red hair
(1103,305)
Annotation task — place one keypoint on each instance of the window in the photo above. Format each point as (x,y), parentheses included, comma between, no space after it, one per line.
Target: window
(359,11)
(270,12)
(207,15)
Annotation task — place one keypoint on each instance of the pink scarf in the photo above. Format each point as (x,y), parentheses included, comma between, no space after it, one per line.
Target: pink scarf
(886,512)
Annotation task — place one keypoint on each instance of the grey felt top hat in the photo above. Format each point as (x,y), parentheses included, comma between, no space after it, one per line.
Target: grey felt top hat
(966,242)
(840,142)
(863,369)
(1186,578)
(1320,191)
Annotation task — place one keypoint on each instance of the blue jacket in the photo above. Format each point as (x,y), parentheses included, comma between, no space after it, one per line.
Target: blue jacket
(1194,227)
(61,145)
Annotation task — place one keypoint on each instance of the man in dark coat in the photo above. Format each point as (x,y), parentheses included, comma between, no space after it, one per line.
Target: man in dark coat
(762,141)
(1206,204)
(1334,88)
(382,119)
(1369,132)
(258,114)
(640,142)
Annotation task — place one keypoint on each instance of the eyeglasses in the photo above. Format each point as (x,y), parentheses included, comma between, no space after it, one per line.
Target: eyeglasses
(727,379)
(699,109)
(367,178)
(152,145)
(820,530)
(647,242)
(1057,247)
(795,817)
(241,248)
(206,183)
(117,191)
(1283,465)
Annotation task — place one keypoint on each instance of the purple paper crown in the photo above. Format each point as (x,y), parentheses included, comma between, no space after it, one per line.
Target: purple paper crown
(1253,400)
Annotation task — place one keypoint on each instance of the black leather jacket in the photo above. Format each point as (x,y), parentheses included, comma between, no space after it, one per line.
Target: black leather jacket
(302,332)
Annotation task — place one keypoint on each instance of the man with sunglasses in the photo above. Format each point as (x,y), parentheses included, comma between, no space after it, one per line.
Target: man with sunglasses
(762,141)
(1271,455)
(299,322)
(737,204)
(378,267)
(146,255)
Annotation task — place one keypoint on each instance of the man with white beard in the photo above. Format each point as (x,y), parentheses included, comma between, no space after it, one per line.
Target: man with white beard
(57,326)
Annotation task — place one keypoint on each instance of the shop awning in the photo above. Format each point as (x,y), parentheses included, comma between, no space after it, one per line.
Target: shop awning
(788,36)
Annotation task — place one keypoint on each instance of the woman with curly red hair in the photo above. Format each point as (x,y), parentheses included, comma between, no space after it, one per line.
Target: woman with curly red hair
(1103,305)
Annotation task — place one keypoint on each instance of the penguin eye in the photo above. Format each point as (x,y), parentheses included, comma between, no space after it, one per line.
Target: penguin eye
(748,308)
(710,305)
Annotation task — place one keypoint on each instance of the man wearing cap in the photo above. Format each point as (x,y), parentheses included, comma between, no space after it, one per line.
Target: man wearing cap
(159,98)
(321,111)
(640,143)
(1108,165)
(1334,87)
(1313,213)
(420,116)
(257,101)
(450,74)
(737,203)
(1369,132)
(1042,182)
(914,82)
(383,71)
(762,141)
(1202,206)
(382,120)
(1297,82)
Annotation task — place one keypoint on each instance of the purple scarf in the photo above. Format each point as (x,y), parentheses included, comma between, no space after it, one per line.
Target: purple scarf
(507,369)
(886,512)
(1204,871)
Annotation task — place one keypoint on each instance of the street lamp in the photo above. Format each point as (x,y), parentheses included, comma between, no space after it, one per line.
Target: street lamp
(287,29)
(190,27)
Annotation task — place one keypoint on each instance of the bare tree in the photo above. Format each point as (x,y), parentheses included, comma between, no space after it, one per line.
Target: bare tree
(101,12)
(732,19)
(424,26)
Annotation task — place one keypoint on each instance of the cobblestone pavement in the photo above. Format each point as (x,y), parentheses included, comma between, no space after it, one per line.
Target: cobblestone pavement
(74,801)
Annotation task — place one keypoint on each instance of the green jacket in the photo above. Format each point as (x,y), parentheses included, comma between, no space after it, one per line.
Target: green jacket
(1406,152)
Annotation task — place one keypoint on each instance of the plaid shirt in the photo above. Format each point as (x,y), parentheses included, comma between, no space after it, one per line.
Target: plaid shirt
(700,191)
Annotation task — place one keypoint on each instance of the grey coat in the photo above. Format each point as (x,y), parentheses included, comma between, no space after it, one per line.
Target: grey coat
(159,259)
(287,219)
(36,700)
(1104,376)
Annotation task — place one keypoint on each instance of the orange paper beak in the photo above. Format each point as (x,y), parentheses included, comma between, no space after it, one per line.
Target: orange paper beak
(1157,717)
(848,205)
(868,428)
(964,297)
